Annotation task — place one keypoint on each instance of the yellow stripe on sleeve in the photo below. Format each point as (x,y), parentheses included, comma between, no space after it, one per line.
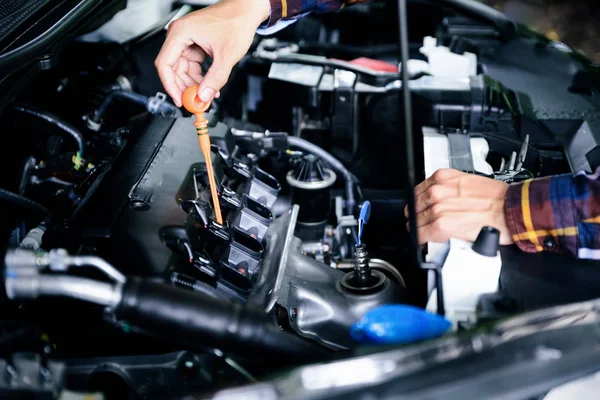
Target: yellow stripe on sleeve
(570,231)
(594,220)
(527,221)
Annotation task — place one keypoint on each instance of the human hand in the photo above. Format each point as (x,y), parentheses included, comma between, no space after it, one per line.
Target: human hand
(223,31)
(455,204)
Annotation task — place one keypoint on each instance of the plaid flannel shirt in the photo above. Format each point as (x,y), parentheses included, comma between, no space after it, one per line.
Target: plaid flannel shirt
(559,214)
(285,10)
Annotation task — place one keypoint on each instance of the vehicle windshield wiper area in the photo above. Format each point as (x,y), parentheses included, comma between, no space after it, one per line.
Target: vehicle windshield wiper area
(520,358)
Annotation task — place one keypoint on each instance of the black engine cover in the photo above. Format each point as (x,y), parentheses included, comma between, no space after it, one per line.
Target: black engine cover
(123,218)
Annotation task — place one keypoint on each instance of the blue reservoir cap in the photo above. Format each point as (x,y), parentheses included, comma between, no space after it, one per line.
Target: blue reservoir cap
(398,324)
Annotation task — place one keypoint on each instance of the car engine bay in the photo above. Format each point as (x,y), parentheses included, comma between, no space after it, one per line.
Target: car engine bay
(120,280)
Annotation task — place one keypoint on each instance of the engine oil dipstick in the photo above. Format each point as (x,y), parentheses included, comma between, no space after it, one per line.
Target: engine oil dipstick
(192,103)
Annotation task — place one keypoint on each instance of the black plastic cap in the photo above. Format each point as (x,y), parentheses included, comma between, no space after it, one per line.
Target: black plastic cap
(310,169)
(487,242)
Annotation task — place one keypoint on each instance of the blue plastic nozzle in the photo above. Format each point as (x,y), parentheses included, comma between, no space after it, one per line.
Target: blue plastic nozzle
(363,218)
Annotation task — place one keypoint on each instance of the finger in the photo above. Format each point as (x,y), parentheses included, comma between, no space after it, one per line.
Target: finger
(435,194)
(438,177)
(181,84)
(165,61)
(456,204)
(194,53)
(187,80)
(462,186)
(458,225)
(406,209)
(195,72)
(214,80)
(423,186)
(182,72)
(465,225)
(441,175)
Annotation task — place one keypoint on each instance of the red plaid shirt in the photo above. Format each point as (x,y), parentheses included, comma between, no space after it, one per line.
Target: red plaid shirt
(559,214)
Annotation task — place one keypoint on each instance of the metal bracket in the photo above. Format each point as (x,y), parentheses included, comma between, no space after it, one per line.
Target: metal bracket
(459,149)
(344,121)
(439,285)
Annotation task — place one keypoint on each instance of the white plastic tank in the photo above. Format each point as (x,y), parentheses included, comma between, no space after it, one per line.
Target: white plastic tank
(437,156)
(136,19)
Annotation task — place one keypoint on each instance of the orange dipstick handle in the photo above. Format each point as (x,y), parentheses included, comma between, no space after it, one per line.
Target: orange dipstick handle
(193,104)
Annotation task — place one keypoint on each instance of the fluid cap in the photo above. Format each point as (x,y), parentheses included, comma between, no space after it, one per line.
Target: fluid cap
(192,102)
(487,242)
(398,324)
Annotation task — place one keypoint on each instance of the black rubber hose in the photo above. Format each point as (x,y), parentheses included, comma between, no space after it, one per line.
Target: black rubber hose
(25,203)
(59,123)
(124,94)
(27,54)
(197,319)
(188,282)
(137,98)
(333,162)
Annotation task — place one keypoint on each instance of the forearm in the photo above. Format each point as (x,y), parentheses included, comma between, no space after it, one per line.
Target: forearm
(558,214)
(292,9)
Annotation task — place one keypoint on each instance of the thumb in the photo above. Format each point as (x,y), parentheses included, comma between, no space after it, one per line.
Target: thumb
(216,77)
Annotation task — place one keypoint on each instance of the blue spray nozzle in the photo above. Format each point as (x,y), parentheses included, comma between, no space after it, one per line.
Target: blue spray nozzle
(398,324)
(363,218)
